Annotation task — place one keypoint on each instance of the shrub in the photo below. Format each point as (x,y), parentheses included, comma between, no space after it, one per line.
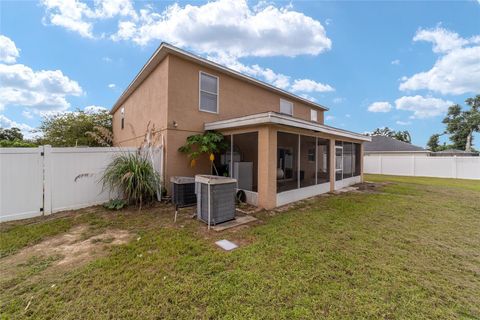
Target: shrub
(134,176)
(16,144)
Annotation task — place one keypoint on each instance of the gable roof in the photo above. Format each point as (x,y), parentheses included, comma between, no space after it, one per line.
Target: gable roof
(165,48)
(387,144)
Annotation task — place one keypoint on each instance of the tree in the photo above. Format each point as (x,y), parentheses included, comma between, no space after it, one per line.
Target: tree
(77,128)
(11,134)
(433,143)
(462,124)
(403,136)
(387,132)
(210,142)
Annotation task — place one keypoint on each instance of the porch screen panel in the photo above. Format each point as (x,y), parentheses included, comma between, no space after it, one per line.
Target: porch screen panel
(323,161)
(347,160)
(223,160)
(357,161)
(308,159)
(338,160)
(287,161)
(245,160)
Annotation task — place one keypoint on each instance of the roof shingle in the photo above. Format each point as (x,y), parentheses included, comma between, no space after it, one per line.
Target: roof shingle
(382,143)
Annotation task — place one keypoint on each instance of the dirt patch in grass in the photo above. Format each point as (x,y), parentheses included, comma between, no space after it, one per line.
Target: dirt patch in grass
(371,187)
(71,249)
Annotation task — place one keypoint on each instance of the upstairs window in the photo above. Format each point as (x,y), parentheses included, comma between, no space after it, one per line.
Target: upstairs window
(286,107)
(208,93)
(314,115)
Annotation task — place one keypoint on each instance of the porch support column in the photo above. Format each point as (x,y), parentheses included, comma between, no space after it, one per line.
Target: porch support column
(267,167)
(361,161)
(332,164)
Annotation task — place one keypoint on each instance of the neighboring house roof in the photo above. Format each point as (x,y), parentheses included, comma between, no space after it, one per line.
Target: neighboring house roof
(166,48)
(454,152)
(387,144)
(282,119)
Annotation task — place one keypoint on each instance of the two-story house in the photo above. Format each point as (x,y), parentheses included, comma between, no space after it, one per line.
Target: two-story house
(280,150)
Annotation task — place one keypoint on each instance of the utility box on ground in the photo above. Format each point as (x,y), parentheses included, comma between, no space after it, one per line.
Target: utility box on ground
(215,198)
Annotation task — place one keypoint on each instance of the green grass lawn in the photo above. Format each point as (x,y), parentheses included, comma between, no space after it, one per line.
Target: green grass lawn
(410,250)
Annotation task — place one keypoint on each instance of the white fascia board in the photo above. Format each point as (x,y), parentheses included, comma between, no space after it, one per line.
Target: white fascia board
(274,118)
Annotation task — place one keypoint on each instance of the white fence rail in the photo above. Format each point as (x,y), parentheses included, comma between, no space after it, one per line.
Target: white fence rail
(441,167)
(43,180)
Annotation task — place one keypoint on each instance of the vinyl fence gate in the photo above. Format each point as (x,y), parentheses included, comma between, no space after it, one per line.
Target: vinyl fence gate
(43,180)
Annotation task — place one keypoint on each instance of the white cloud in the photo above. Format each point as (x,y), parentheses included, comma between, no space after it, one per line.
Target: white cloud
(40,91)
(69,14)
(380,106)
(329,118)
(307,85)
(422,107)
(443,40)
(268,75)
(306,96)
(7,123)
(94,109)
(223,30)
(338,100)
(456,71)
(27,114)
(77,16)
(8,50)
(217,27)
(395,62)
(229,27)
(112,85)
(348,115)
(404,123)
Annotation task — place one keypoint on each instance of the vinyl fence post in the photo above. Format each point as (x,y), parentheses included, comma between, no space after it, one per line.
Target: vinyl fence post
(47,179)
(455,166)
(413,165)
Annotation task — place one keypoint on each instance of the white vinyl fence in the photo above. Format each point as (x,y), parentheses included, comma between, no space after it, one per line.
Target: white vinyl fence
(441,167)
(44,180)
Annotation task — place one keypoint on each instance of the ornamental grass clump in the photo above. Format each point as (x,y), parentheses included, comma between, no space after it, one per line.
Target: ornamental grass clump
(134,176)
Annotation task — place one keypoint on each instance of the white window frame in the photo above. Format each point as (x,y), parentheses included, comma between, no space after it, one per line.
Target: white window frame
(280,107)
(200,92)
(313,115)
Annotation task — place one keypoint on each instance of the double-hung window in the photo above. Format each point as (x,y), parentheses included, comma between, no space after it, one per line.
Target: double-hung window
(313,115)
(286,107)
(208,93)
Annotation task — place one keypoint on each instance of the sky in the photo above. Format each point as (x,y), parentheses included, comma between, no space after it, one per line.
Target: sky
(398,64)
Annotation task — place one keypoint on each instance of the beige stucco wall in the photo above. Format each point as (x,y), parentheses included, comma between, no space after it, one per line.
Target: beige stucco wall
(148,103)
(236,97)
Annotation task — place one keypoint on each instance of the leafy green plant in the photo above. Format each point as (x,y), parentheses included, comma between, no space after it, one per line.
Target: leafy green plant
(115,204)
(16,144)
(134,176)
(210,142)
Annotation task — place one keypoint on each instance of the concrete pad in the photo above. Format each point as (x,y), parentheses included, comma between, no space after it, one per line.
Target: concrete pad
(226,245)
(238,221)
